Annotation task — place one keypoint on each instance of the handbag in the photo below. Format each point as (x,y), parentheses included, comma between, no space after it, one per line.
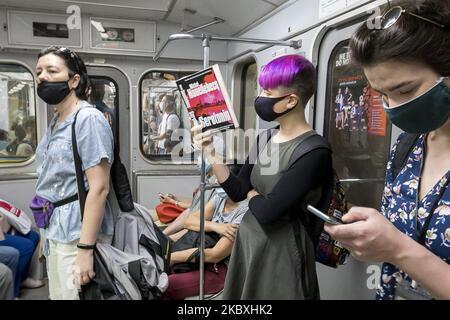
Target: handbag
(167,212)
(189,240)
(43,209)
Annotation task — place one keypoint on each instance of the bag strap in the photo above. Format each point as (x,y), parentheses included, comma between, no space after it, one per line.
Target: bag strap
(78,169)
(312,142)
(404,147)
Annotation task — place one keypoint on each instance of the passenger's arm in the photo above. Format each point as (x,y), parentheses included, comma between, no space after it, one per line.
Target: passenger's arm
(235,187)
(177,224)
(308,173)
(183,203)
(220,251)
(193,221)
(98,179)
(371,237)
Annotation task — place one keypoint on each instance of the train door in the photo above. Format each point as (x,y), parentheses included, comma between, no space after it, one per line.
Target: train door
(110,93)
(350,115)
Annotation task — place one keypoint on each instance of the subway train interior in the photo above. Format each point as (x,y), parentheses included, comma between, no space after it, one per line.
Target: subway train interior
(135,51)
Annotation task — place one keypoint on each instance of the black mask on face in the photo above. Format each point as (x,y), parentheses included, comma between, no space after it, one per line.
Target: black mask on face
(264,108)
(53,92)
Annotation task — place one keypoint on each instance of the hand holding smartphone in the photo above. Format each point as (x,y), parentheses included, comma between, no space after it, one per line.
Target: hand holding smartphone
(323,216)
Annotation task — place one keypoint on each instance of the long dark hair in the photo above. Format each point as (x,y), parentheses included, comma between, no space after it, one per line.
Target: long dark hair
(410,38)
(75,65)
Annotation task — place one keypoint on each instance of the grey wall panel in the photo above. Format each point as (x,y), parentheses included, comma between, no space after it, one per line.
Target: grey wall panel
(149,186)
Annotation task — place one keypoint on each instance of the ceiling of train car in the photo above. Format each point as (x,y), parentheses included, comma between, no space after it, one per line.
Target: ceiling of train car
(238,14)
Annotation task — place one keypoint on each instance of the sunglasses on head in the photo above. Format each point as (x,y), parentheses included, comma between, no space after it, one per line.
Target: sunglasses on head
(71,55)
(393,15)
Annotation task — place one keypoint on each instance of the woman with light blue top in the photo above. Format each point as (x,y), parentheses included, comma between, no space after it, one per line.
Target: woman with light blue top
(62,81)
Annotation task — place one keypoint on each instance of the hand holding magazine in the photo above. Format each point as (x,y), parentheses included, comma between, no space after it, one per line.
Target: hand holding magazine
(207,101)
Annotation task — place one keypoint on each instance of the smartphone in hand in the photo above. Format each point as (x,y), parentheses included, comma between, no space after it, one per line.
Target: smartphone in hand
(323,216)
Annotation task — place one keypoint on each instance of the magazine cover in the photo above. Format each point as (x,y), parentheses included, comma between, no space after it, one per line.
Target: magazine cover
(207,100)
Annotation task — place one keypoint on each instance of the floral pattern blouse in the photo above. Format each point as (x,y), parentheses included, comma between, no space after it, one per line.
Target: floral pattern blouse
(399,206)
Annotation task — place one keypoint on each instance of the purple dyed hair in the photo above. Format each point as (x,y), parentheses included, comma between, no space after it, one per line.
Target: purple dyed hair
(291,71)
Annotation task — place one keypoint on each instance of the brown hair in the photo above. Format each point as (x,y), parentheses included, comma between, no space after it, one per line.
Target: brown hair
(410,38)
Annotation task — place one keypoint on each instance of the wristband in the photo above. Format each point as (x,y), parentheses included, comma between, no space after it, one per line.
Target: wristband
(85,246)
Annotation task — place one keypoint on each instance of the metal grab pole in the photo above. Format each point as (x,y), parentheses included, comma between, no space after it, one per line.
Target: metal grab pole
(205,45)
(296,44)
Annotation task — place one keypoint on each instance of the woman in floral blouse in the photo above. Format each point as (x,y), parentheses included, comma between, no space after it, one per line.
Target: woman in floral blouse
(406,57)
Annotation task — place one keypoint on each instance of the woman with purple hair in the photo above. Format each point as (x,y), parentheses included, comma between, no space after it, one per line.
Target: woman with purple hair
(274,256)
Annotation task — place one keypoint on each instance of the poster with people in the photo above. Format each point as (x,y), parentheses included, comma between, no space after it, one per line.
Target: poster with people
(357,127)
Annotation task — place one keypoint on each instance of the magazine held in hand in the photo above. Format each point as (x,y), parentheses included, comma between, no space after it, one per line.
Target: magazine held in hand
(207,100)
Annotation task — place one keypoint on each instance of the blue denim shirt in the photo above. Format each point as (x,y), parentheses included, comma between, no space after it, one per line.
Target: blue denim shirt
(56,169)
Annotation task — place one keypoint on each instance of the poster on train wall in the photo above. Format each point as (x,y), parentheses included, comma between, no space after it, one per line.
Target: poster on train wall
(356,111)
(330,7)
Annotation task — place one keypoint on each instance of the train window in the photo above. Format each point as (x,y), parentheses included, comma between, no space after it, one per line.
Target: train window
(104,95)
(357,128)
(18,137)
(162,112)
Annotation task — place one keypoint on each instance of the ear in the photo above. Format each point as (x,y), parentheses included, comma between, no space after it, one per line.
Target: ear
(294,99)
(74,81)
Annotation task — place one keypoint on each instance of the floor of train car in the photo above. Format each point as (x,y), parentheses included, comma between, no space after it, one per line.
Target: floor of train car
(35,294)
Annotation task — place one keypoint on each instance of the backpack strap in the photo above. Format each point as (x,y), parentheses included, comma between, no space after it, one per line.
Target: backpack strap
(312,142)
(78,168)
(404,147)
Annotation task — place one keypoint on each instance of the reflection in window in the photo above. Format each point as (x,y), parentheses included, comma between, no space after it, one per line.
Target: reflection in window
(104,95)
(162,112)
(357,128)
(18,137)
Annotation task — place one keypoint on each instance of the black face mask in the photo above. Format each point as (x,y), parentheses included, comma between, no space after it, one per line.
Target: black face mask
(264,108)
(53,92)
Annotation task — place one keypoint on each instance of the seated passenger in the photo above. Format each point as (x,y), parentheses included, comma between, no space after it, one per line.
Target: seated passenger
(11,241)
(178,223)
(222,216)
(9,257)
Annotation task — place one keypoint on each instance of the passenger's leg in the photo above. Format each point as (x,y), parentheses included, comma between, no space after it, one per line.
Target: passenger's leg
(183,285)
(9,256)
(26,249)
(29,282)
(6,283)
(60,264)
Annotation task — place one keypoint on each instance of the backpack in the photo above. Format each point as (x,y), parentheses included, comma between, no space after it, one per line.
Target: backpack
(328,251)
(118,172)
(191,239)
(135,266)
